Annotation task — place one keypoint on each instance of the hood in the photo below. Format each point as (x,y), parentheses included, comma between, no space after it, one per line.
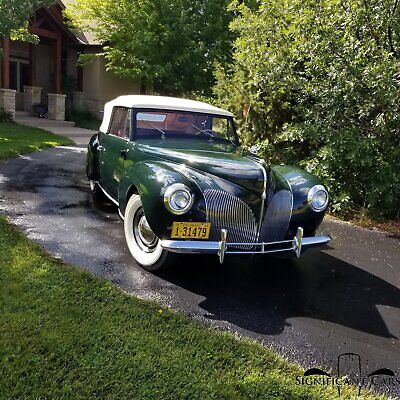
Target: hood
(220,159)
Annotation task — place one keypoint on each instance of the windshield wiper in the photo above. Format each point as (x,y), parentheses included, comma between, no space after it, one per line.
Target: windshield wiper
(207,132)
(204,131)
(163,134)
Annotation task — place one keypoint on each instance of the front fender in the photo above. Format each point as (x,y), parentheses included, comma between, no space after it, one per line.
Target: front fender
(150,180)
(300,182)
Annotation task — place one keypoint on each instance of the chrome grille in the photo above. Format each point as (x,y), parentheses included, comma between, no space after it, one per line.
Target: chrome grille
(226,211)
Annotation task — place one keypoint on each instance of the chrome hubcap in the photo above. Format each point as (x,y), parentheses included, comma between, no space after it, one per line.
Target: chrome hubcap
(144,236)
(145,232)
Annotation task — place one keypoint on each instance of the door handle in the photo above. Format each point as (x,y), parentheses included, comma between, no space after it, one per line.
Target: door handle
(100,147)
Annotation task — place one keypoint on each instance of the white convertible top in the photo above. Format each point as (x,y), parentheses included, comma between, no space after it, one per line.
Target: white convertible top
(159,102)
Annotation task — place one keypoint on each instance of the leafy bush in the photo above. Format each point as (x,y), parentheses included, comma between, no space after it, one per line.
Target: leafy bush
(83,119)
(318,84)
(4,116)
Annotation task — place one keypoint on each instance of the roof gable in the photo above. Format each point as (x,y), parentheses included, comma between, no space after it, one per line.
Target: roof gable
(85,38)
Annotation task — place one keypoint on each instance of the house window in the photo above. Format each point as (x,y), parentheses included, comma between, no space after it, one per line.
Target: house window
(19,74)
(120,123)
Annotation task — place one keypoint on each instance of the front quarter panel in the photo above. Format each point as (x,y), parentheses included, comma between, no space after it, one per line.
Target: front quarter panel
(300,182)
(150,180)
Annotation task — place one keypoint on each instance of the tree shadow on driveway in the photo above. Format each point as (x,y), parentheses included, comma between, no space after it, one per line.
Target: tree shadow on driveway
(261,298)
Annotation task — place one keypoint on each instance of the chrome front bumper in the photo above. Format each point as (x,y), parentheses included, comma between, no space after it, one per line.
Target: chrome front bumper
(295,245)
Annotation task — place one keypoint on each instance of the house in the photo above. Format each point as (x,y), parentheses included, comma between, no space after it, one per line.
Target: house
(48,72)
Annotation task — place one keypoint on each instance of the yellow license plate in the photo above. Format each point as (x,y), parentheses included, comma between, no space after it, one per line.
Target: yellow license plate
(190,230)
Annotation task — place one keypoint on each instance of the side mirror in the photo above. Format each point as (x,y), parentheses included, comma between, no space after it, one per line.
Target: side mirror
(254,149)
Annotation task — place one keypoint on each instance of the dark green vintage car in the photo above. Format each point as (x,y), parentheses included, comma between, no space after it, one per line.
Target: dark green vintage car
(183,184)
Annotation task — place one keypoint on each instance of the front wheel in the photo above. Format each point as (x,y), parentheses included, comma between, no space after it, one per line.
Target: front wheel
(143,244)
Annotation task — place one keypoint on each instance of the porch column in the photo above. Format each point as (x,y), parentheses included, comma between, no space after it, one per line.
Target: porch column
(78,101)
(57,65)
(5,64)
(79,80)
(56,106)
(32,96)
(32,65)
(7,101)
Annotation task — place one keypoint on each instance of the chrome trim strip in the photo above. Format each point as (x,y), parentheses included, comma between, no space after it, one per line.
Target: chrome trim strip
(291,192)
(190,246)
(263,198)
(108,195)
(316,240)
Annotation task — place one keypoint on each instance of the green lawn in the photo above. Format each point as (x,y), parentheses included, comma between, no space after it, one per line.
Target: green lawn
(65,334)
(18,139)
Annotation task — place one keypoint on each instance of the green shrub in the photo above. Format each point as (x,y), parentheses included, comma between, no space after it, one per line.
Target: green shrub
(4,116)
(83,119)
(321,81)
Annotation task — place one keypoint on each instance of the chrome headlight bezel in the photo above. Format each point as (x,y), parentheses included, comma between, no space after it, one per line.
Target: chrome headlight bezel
(169,198)
(312,195)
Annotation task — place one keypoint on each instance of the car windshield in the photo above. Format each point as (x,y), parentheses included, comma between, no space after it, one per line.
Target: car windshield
(185,125)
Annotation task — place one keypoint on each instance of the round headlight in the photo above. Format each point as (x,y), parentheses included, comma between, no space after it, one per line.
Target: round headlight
(178,199)
(318,198)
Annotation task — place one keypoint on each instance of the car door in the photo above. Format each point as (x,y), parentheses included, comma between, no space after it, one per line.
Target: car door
(114,147)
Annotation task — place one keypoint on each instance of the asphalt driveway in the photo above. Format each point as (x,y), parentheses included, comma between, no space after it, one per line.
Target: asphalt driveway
(343,299)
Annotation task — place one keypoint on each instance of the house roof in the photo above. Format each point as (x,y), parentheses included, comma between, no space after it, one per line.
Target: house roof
(159,102)
(86,38)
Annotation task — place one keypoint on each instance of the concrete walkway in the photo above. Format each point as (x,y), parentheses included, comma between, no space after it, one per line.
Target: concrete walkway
(63,128)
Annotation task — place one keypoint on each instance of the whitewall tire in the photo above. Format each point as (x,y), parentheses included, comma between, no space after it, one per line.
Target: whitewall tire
(143,244)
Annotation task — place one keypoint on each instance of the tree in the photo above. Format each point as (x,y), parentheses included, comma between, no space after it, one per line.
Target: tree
(322,81)
(14,16)
(169,44)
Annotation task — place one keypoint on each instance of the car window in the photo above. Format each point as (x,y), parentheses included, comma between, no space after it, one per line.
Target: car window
(165,124)
(120,122)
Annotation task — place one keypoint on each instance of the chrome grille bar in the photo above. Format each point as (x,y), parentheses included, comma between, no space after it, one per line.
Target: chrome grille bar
(226,211)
